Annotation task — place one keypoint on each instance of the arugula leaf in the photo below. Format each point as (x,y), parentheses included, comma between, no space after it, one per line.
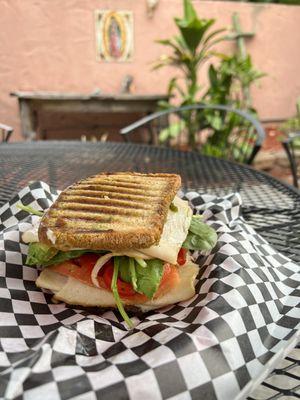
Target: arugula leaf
(39,253)
(30,210)
(200,236)
(62,256)
(116,295)
(196,225)
(124,271)
(145,280)
(133,273)
(148,279)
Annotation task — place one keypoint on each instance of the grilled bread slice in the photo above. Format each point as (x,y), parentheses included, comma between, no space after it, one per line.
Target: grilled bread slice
(110,211)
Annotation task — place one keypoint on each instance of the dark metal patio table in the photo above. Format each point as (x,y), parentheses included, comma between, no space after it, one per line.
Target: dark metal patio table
(270,206)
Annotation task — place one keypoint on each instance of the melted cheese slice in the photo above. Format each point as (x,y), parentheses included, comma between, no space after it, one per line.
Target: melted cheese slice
(72,291)
(174,233)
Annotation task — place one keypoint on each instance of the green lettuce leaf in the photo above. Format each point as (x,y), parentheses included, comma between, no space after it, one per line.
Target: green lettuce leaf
(39,253)
(148,279)
(124,271)
(200,236)
(62,256)
(114,288)
(30,210)
(145,280)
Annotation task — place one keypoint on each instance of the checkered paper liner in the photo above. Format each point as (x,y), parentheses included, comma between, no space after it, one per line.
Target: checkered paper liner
(213,346)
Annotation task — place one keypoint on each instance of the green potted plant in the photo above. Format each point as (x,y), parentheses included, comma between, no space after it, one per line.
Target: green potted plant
(292,125)
(193,46)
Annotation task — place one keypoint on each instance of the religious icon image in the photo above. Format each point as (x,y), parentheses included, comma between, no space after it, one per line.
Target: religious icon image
(114,35)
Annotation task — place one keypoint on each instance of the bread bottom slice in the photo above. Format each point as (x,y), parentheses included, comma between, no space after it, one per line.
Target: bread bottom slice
(72,291)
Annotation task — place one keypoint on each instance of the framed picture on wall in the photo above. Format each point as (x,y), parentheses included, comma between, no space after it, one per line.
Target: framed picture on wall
(114,35)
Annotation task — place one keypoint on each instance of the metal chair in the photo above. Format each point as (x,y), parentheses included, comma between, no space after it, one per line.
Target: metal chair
(218,130)
(6,132)
(289,146)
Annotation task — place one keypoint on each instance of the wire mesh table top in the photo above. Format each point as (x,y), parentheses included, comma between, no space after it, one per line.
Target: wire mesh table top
(270,206)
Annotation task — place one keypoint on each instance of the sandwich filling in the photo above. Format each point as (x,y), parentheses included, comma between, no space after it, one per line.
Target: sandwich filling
(146,277)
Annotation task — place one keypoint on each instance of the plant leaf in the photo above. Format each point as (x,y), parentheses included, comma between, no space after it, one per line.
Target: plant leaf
(124,270)
(148,279)
(171,131)
(30,210)
(144,279)
(213,34)
(200,236)
(114,288)
(39,254)
(193,31)
(213,78)
(189,10)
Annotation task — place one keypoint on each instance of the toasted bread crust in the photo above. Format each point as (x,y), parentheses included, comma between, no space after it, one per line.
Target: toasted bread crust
(110,211)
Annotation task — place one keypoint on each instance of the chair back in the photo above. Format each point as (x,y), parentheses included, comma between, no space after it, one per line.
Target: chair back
(5,132)
(216,130)
(291,145)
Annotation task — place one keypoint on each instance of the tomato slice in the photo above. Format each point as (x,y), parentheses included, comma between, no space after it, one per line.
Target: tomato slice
(125,289)
(88,260)
(169,280)
(81,269)
(181,258)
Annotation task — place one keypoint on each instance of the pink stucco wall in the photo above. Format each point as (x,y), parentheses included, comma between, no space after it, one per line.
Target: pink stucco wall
(50,45)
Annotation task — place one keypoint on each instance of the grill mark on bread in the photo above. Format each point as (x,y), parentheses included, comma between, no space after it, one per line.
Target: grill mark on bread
(87,230)
(138,198)
(126,215)
(88,221)
(85,225)
(122,189)
(56,211)
(122,182)
(112,194)
(132,185)
(70,217)
(106,202)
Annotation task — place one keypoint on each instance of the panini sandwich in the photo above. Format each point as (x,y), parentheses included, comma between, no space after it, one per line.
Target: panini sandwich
(119,240)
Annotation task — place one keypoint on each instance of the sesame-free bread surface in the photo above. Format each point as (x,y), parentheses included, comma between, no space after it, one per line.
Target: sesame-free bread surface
(110,211)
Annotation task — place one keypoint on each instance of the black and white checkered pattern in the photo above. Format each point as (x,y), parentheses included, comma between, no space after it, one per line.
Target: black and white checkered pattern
(245,312)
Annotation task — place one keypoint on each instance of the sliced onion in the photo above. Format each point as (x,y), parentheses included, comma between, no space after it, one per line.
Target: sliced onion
(141,262)
(99,264)
(136,253)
